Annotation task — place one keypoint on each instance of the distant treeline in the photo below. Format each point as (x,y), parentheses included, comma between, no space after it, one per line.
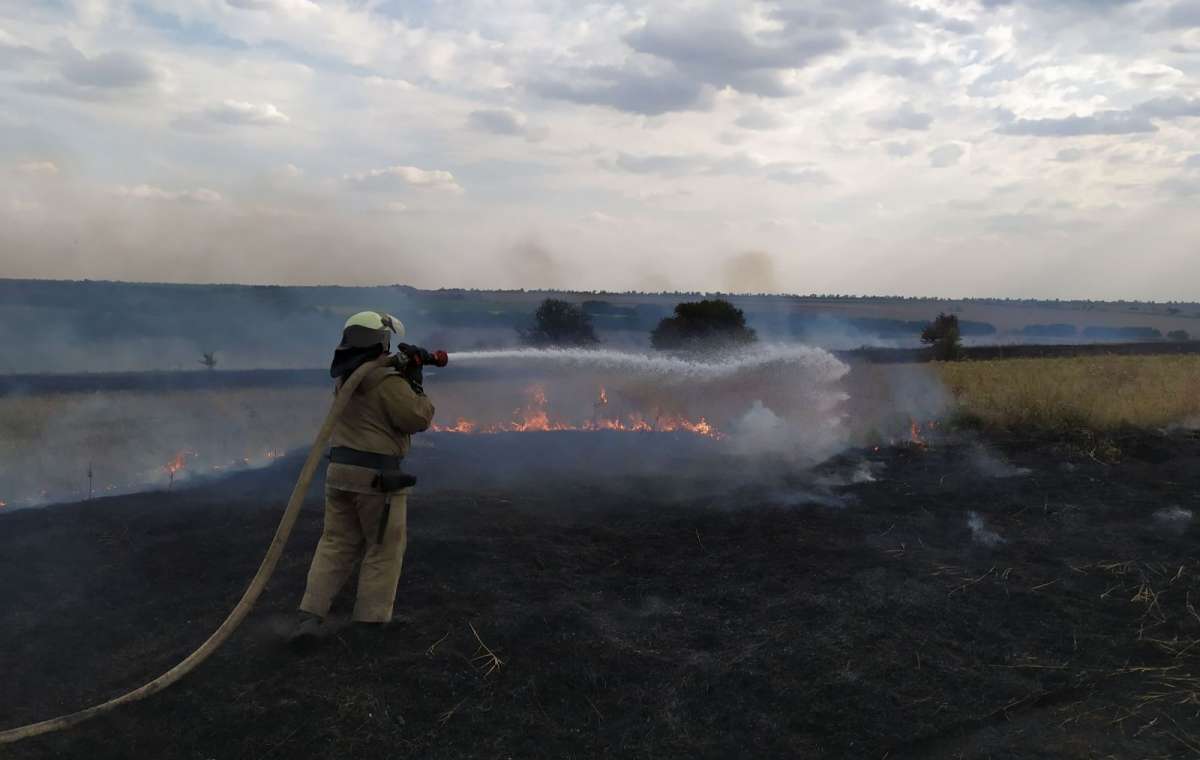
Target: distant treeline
(64,326)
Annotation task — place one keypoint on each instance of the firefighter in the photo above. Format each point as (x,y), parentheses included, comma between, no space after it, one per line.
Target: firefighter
(366,493)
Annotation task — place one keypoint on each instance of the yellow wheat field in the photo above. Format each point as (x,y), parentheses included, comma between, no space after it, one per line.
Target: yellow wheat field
(1098,393)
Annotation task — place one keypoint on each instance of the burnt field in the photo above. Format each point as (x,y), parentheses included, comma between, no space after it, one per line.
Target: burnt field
(603,598)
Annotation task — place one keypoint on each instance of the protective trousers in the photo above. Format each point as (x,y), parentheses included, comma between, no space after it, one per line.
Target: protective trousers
(351,522)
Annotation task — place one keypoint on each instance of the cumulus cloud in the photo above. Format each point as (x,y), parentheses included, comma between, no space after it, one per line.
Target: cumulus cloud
(504,121)
(1182,187)
(1170,108)
(905,117)
(153,193)
(118,70)
(721,48)
(14,54)
(396,177)
(738,164)
(38,167)
(1139,119)
(1073,6)
(1100,123)
(1069,155)
(900,67)
(626,89)
(234,113)
(945,156)
(1183,15)
(899,149)
(102,76)
(758,119)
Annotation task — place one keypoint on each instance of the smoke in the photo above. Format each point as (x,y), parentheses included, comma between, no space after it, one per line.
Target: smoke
(806,438)
(127,441)
(751,272)
(991,466)
(980,533)
(1174,519)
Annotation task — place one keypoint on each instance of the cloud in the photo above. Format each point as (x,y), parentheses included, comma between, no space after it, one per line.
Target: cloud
(504,121)
(723,49)
(627,89)
(1182,187)
(1183,15)
(394,177)
(45,168)
(899,149)
(759,119)
(599,217)
(894,18)
(295,7)
(660,164)
(233,113)
(116,70)
(1069,155)
(104,76)
(738,164)
(906,68)
(1193,162)
(1100,123)
(1089,6)
(14,54)
(500,121)
(1170,108)
(904,117)
(945,156)
(799,176)
(152,193)
(1137,120)
(680,59)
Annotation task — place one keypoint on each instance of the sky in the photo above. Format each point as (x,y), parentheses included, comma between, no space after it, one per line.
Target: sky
(1020,148)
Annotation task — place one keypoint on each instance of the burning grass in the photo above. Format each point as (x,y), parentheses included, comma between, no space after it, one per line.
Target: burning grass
(1062,396)
(535,417)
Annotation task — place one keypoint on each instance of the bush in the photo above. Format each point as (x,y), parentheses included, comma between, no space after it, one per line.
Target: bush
(943,335)
(1180,335)
(559,323)
(703,325)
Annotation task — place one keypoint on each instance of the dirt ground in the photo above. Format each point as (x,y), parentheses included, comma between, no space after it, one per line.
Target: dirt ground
(1009,600)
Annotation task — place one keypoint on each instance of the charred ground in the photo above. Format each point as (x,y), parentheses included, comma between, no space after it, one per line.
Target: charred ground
(812,616)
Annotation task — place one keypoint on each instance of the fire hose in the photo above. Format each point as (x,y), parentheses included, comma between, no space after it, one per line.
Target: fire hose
(246,603)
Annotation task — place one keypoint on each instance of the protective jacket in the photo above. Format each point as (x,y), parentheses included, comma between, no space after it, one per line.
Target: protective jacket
(380,418)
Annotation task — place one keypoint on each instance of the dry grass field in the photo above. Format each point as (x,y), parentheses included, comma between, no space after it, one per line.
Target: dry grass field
(1095,394)
(127,438)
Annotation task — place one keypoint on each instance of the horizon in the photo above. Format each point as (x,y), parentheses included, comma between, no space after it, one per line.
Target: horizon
(583,292)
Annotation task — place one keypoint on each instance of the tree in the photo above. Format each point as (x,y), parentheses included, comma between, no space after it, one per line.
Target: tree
(943,335)
(559,323)
(1180,335)
(703,326)
(209,360)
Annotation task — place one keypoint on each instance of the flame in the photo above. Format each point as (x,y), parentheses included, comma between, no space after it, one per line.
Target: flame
(176,464)
(535,417)
(914,434)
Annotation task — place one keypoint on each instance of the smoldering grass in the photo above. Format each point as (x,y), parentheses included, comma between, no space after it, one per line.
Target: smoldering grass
(980,533)
(1174,514)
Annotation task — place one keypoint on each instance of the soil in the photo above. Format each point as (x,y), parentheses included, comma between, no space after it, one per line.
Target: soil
(848,613)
